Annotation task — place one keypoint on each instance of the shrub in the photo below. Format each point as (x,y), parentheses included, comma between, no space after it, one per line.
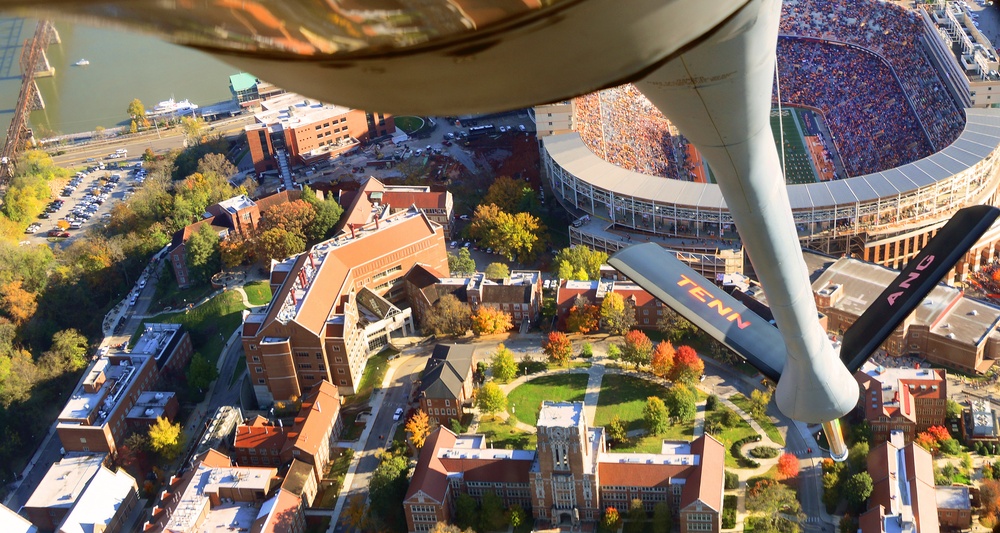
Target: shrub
(732,480)
(614,352)
(586,351)
(764,452)
(736,450)
(712,403)
(729,505)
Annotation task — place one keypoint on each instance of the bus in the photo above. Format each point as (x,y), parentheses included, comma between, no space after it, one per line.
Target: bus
(476,131)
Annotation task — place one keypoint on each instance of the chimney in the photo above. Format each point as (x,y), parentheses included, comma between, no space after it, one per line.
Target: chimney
(352,229)
(376,221)
(292,293)
(312,261)
(302,278)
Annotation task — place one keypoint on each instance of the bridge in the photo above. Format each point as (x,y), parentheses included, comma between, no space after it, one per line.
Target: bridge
(34,64)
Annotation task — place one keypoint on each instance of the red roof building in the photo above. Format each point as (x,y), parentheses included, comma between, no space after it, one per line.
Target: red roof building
(903,497)
(648,309)
(571,477)
(259,443)
(316,426)
(909,400)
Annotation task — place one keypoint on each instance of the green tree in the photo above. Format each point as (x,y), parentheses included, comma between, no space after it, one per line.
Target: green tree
(518,236)
(516,516)
(954,409)
(449,317)
(857,457)
(497,271)
(858,488)
(202,254)
(848,524)
(558,347)
(193,128)
(758,403)
(581,258)
(466,510)
(674,326)
(565,270)
(165,438)
(201,373)
(510,195)
(656,415)
(461,264)
(137,112)
(328,213)
(636,517)
(503,365)
(491,515)
(277,244)
(68,352)
(491,399)
(616,430)
(617,313)
(610,520)
(682,402)
(636,348)
(386,491)
(769,502)
(662,521)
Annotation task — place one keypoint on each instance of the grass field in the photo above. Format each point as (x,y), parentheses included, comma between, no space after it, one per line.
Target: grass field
(409,124)
(743,402)
(527,398)
(729,435)
(507,437)
(209,324)
(625,396)
(258,292)
(798,167)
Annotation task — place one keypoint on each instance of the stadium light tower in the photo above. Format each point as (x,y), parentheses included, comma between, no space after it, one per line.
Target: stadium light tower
(708,66)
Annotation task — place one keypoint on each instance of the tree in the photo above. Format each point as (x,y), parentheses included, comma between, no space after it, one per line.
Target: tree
(516,516)
(564,270)
(674,326)
(489,320)
(17,303)
(662,521)
(386,490)
(193,129)
(491,399)
(293,217)
(611,520)
(462,264)
(858,488)
(558,347)
(582,317)
(509,195)
(847,524)
(857,457)
(682,402)
(328,213)
(442,527)
(617,313)
(235,251)
(788,465)
(466,510)
(954,409)
(636,348)
(616,430)
(758,403)
(217,165)
(449,317)
(68,353)
(497,271)
(491,515)
(277,244)
(769,502)
(201,373)
(137,112)
(688,367)
(356,514)
(927,441)
(202,254)
(636,517)
(662,359)
(165,438)
(517,236)
(503,365)
(580,258)
(656,415)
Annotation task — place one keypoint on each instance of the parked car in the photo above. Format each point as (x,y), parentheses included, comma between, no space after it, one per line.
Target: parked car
(398,414)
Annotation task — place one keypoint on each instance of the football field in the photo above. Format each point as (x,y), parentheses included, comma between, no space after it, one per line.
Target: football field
(798,167)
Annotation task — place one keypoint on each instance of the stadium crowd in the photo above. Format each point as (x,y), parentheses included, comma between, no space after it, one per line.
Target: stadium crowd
(892,32)
(866,110)
(870,111)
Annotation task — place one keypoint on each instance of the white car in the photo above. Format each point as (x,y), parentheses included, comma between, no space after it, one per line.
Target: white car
(398,414)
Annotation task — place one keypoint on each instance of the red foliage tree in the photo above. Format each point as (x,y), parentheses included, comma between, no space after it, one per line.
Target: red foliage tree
(939,433)
(688,367)
(663,359)
(788,465)
(928,442)
(558,347)
(582,319)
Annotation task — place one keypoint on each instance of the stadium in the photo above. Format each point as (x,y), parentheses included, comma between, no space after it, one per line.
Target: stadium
(899,156)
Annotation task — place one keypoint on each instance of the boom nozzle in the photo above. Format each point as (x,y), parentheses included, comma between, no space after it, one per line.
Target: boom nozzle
(835,438)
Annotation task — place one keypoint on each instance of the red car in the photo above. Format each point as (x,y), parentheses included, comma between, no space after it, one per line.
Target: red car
(58,233)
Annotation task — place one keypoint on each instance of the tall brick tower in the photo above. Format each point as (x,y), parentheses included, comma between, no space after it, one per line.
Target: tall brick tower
(565,478)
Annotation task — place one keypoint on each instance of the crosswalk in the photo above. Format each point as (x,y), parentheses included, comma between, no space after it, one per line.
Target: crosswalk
(811,520)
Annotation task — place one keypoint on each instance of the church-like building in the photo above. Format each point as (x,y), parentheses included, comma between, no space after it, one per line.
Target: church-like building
(571,478)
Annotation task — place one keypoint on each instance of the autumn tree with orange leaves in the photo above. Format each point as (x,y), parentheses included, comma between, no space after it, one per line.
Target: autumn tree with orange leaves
(558,347)
(17,303)
(418,426)
(688,367)
(582,317)
(662,360)
(488,320)
(788,465)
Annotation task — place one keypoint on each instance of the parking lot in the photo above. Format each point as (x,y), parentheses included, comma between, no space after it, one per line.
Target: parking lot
(85,200)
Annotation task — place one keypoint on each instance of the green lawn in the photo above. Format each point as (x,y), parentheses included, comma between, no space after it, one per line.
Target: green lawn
(507,437)
(527,398)
(258,292)
(409,124)
(729,435)
(209,324)
(743,402)
(625,396)
(372,376)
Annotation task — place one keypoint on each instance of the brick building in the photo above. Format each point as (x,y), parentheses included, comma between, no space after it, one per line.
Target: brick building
(291,130)
(908,400)
(80,494)
(947,329)
(438,205)
(954,507)
(332,305)
(102,411)
(446,384)
(648,309)
(979,422)
(316,427)
(237,216)
(520,294)
(259,443)
(570,479)
(903,497)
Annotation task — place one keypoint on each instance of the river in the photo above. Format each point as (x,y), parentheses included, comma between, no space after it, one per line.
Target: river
(123,66)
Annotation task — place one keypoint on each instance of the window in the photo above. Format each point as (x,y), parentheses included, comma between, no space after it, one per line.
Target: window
(340,370)
(260,381)
(256,359)
(336,348)
(319,355)
(699,526)
(307,376)
(305,365)
(258,369)
(343,382)
(301,354)
(447,403)
(253,346)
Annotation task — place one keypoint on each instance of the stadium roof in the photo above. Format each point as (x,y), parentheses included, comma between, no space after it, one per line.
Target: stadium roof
(980,137)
